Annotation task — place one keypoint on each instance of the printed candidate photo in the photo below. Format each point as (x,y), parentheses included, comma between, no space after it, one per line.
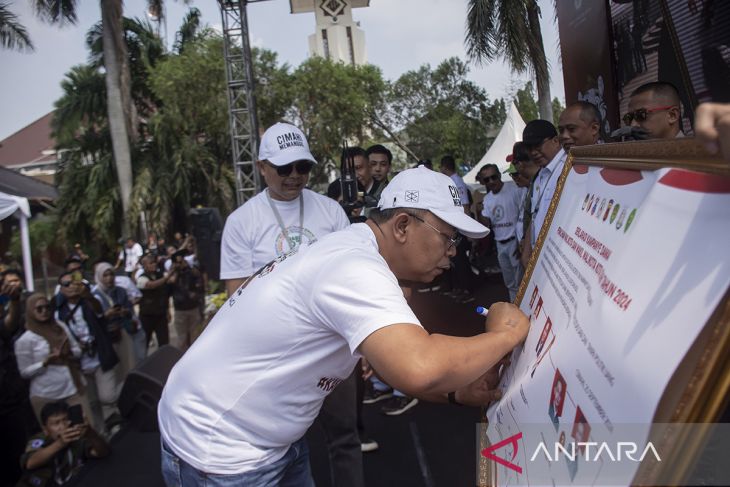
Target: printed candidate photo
(557,398)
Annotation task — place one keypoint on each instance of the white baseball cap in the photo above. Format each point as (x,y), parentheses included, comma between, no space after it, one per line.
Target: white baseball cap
(429,190)
(283,144)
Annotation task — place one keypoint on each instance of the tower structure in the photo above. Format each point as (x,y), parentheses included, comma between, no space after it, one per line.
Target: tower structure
(337,37)
(243,124)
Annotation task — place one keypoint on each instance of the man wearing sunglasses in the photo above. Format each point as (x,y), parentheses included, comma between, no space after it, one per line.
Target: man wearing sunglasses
(654,107)
(501,211)
(281,217)
(277,221)
(236,406)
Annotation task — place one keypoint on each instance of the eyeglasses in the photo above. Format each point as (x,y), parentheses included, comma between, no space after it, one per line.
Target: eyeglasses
(65,283)
(42,307)
(453,241)
(641,114)
(493,177)
(302,167)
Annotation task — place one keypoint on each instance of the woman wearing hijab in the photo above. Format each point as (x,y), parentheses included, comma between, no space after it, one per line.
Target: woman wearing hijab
(119,315)
(48,356)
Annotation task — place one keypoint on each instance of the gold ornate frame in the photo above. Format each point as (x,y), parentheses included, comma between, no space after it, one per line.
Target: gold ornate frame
(699,390)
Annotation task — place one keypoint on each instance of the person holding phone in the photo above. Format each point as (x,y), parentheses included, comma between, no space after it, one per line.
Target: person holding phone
(47,356)
(119,316)
(54,456)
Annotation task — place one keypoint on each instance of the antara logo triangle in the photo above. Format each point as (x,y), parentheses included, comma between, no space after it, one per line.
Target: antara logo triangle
(512,440)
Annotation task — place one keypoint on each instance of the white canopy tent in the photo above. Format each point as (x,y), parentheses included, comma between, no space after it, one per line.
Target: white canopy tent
(510,133)
(16,206)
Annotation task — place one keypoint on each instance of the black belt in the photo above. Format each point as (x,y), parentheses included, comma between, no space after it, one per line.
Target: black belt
(506,240)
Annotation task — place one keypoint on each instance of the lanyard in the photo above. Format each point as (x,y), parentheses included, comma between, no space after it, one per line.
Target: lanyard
(281,222)
(539,199)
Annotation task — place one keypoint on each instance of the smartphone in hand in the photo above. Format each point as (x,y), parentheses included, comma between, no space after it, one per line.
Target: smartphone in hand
(75,415)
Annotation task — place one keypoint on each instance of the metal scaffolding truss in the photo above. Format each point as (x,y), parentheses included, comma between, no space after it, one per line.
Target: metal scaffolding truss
(241,100)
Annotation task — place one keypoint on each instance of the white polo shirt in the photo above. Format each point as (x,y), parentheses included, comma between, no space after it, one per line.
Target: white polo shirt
(254,381)
(252,236)
(543,191)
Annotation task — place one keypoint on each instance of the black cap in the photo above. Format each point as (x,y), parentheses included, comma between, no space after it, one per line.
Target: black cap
(538,130)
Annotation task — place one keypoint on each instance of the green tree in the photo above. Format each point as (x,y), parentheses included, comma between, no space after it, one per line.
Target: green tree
(144,50)
(510,29)
(439,111)
(557,110)
(12,33)
(330,103)
(272,85)
(90,196)
(526,104)
(191,146)
(121,110)
(86,179)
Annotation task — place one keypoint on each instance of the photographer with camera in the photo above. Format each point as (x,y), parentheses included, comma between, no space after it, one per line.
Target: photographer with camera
(12,302)
(187,298)
(154,313)
(356,189)
(82,314)
(16,416)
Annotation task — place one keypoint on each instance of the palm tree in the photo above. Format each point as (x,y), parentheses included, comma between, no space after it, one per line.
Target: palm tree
(12,34)
(144,48)
(90,196)
(120,107)
(510,29)
(188,30)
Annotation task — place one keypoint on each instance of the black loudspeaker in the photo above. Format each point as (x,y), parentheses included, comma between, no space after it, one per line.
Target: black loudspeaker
(207,229)
(143,388)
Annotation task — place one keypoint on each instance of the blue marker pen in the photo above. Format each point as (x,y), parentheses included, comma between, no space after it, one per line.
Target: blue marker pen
(482,310)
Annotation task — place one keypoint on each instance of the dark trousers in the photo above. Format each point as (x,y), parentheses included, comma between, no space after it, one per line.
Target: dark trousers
(158,324)
(461,271)
(359,396)
(338,417)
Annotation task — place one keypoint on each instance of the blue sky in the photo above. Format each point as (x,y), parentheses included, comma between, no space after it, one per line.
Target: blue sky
(400,35)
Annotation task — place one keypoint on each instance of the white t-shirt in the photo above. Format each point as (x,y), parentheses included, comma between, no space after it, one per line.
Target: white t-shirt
(252,236)
(52,381)
(461,186)
(254,382)
(190,259)
(543,191)
(503,210)
(128,285)
(131,256)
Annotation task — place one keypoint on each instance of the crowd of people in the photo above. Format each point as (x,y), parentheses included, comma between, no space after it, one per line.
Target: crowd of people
(75,350)
(309,332)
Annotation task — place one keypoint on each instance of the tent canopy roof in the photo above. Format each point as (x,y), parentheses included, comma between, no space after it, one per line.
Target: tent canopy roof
(510,133)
